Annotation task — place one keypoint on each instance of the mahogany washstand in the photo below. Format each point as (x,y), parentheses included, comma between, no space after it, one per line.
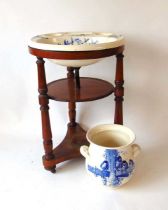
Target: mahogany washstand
(74,89)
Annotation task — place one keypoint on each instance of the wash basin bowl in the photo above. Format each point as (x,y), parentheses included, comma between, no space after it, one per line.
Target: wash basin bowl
(75,49)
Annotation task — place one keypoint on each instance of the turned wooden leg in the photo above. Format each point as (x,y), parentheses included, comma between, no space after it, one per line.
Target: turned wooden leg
(43,101)
(119,90)
(72,113)
(77,78)
(71,105)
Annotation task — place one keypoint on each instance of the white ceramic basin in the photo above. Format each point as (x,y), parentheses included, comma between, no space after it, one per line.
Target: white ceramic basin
(76,42)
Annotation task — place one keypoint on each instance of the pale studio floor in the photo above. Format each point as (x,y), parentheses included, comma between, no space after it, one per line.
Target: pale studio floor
(24,184)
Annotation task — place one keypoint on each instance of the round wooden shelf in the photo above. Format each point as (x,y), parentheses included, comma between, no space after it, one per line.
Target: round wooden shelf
(90,89)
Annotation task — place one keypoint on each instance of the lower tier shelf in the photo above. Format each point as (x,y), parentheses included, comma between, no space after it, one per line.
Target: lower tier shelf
(90,89)
(69,148)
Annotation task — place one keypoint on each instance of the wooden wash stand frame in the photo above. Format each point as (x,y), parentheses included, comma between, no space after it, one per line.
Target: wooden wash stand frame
(74,89)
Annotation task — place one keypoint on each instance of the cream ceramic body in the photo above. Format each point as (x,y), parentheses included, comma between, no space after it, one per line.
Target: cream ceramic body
(110,158)
(75,63)
(76,41)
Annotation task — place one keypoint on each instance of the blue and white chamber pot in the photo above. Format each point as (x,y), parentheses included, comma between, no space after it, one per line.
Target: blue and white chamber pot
(110,158)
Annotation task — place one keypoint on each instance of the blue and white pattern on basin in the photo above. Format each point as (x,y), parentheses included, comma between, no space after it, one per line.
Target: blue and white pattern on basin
(113,170)
(79,41)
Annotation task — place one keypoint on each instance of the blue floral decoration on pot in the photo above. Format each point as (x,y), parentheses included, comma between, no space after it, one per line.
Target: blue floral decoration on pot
(113,169)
